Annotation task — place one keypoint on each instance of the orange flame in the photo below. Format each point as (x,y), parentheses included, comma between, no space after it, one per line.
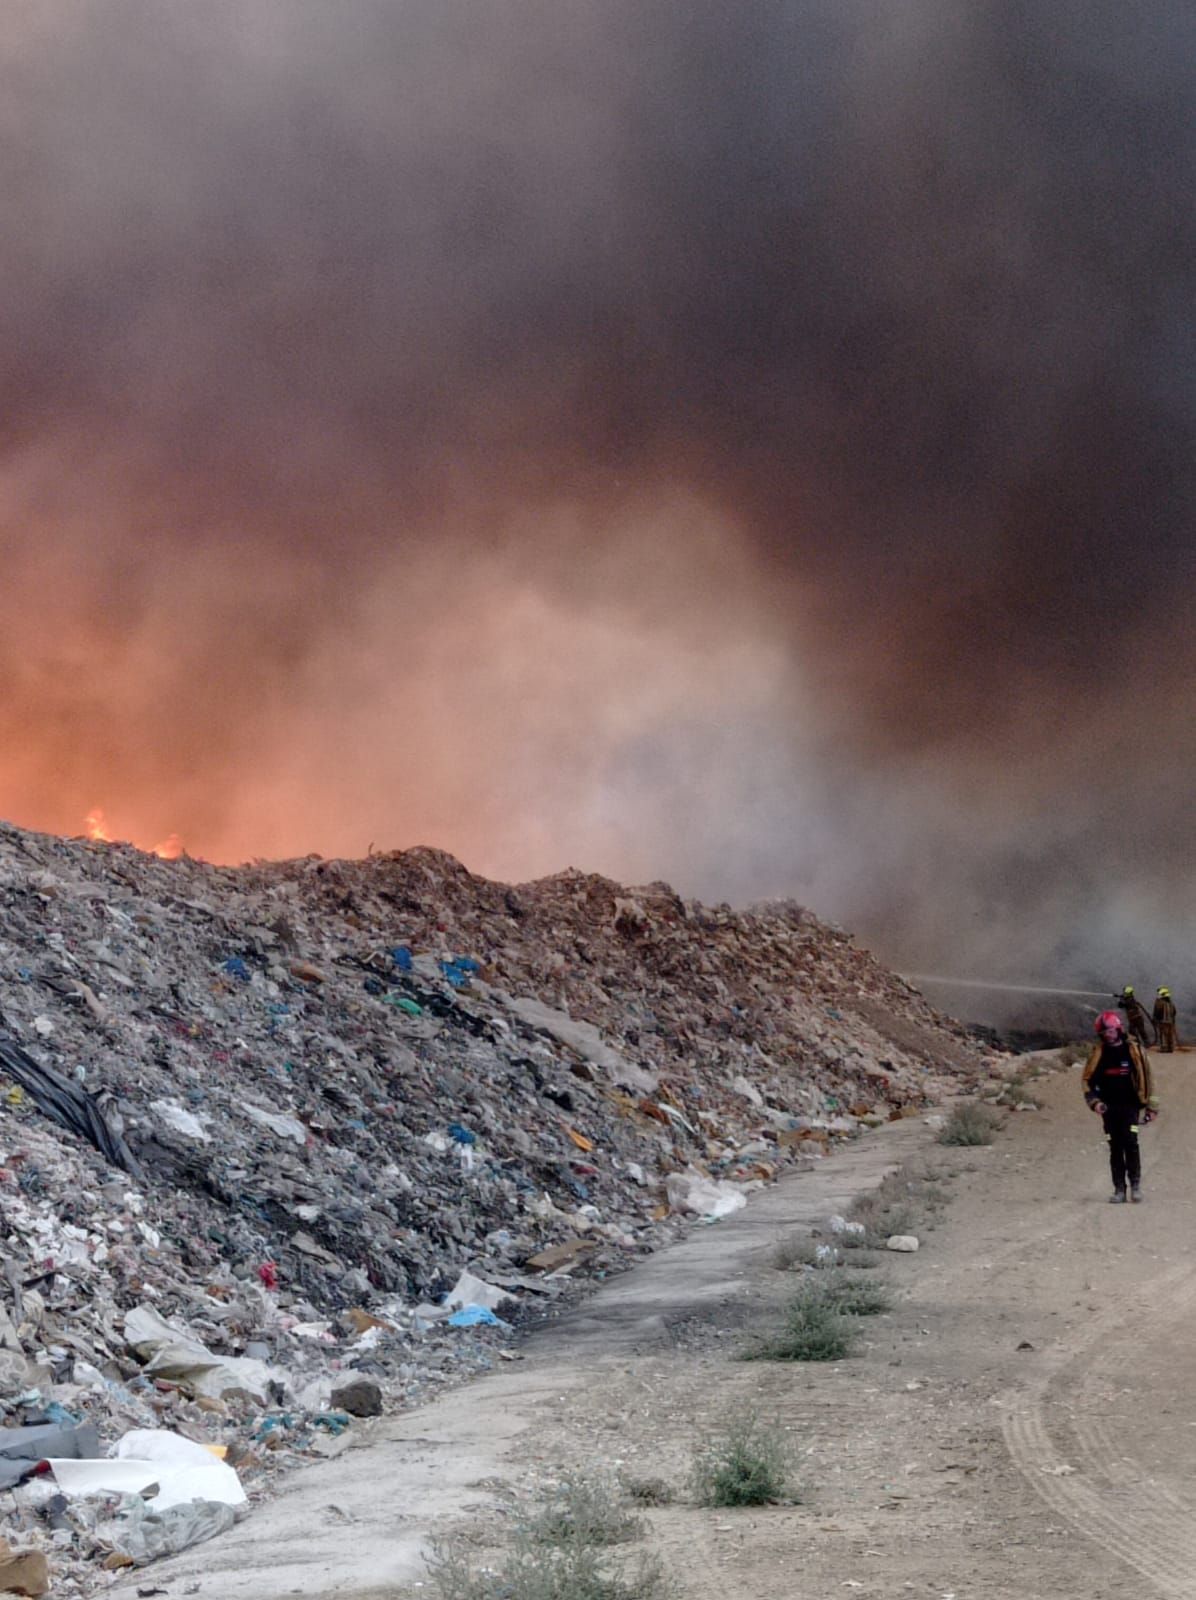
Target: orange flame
(97,826)
(96,823)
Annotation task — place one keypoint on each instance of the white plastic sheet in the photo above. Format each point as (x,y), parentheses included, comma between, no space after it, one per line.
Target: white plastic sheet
(184,1471)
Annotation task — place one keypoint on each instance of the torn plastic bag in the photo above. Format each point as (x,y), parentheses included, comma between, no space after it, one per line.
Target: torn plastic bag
(476,1317)
(22,1450)
(64,1102)
(171,1352)
(148,1535)
(471,1291)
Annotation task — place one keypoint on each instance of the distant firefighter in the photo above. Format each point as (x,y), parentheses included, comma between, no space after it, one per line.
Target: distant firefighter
(1165,1020)
(1135,1016)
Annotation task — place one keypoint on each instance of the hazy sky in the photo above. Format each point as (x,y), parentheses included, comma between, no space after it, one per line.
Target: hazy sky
(748,445)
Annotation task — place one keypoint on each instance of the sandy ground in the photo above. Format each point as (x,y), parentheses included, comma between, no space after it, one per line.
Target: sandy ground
(1023,1423)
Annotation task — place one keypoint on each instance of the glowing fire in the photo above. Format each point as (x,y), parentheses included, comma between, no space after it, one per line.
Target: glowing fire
(96,824)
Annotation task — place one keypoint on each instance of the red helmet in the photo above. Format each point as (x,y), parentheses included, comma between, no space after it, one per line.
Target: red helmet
(1109,1022)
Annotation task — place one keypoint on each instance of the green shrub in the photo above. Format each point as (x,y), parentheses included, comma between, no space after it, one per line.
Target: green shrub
(971,1124)
(813,1330)
(535,1571)
(799,1251)
(744,1465)
(583,1510)
(649,1491)
(856,1297)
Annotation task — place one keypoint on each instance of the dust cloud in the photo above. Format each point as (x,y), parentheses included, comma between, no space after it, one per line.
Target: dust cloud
(745,445)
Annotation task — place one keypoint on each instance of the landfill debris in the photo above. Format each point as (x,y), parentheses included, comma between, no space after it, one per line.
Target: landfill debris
(560,1255)
(64,1102)
(704,1197)
(173,1353)
(22,1450)
(273,1133)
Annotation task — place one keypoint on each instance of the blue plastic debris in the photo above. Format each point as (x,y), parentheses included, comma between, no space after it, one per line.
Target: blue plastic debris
(461,1135)
(401,955)
(236,968)
(474,1317)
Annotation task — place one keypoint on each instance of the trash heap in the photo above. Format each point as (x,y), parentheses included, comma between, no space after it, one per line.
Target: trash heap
(287,1144)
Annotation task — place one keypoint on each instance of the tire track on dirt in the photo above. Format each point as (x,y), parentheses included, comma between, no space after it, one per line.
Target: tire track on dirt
(1145,1525)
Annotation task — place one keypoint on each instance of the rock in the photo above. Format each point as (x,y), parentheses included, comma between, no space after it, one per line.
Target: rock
(23,1572)
(902,1241)
(360,1397)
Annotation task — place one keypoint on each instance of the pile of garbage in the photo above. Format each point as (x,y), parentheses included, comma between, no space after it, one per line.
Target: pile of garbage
(285,1145)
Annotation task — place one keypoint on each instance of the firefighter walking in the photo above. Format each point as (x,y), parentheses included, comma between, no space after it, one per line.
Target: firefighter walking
(1118,1087)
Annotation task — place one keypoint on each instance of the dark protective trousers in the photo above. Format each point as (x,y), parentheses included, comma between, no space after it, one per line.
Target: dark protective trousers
(1125,1159)
(1167,1037)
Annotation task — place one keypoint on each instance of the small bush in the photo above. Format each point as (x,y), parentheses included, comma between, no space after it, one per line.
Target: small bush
(742,1466)
(856,1297)
(799,1251)
(813,1330)
(581,1510)
(971,1124)
(861,1257)
(881,1216)
(1020,1096)
(1072,1054)
(649,1491)
(532,1571)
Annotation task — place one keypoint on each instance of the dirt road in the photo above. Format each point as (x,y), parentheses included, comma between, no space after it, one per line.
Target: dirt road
(1023,1423)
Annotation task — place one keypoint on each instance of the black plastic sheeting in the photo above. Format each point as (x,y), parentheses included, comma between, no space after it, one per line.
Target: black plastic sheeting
(65,1103)
(22,1450)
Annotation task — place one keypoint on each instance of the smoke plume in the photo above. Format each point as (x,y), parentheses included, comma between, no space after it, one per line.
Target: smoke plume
(745,444)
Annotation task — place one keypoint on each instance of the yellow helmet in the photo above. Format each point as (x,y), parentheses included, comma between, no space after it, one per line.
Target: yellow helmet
(1129,989)
(1163,990)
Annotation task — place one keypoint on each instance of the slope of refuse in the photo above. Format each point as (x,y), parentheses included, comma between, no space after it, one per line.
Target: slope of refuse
(286,1143)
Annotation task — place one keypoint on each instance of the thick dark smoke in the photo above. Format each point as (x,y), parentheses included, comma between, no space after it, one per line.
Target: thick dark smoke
(748,444)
